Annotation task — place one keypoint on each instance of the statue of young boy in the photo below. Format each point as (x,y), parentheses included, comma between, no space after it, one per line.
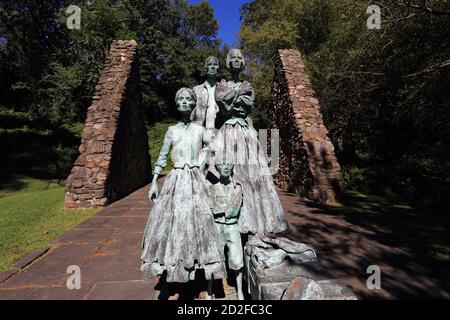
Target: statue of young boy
(226,202)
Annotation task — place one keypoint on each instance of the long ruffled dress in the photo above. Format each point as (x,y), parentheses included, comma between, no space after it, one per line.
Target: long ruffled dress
(180,234)
(237,142)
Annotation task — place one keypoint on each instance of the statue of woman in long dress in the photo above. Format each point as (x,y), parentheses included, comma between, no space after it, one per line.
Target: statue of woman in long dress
(180,234)
(237,142)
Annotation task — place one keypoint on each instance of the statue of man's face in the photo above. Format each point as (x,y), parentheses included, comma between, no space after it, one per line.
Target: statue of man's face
(212,67)
(225,170)
(236,60)
(185,102)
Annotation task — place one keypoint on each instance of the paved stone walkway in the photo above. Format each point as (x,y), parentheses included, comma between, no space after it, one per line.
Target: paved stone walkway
(106,247)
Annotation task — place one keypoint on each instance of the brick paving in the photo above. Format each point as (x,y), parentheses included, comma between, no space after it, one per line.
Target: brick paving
(106,247)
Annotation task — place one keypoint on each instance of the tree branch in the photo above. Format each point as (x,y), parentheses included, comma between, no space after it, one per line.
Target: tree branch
(428,71)
(424,8)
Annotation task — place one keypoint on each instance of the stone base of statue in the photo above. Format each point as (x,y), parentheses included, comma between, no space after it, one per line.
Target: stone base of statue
(281,269)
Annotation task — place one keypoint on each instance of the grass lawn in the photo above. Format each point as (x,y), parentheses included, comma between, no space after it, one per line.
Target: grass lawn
(32,202)
(33,215)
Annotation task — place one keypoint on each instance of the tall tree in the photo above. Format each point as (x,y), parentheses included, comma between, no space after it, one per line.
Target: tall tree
(49,72)
(175,39)
(383,92)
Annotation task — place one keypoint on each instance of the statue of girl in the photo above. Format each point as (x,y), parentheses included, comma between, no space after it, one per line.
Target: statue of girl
(180,234)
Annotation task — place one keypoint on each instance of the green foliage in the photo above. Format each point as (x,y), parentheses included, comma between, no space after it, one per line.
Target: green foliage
(176,37)
(49,73)
(384,93)
(59,91)
(156,133)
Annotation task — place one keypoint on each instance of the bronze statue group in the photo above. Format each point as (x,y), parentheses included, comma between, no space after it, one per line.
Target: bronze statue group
(220,188)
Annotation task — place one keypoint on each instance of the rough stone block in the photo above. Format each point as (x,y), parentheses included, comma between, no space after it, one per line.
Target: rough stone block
(296,112)
(292,281)
(302,288)
(115,118)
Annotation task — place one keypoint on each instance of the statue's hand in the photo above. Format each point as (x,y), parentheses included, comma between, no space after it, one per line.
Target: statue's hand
(241,91)
(153,192)
(246,88)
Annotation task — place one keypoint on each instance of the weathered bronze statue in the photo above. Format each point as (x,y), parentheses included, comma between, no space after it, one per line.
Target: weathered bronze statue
(180,234)
(226,203)
(236,142)
(206,109)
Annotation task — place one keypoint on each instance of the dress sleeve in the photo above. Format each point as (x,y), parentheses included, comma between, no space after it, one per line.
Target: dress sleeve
(225,97)
(203,158)
(198,115)
(247,99)
(164,153)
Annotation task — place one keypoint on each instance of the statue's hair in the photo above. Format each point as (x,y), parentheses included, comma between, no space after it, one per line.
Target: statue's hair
(211,58)
(189,90)
(229,58)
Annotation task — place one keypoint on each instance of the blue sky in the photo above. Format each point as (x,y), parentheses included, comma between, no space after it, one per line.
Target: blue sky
(227,15)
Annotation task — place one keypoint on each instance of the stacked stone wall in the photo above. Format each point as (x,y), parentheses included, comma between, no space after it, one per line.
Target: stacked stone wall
(114,155)
(308,165)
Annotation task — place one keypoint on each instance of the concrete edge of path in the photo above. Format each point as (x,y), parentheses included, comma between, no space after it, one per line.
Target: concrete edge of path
(23,263)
